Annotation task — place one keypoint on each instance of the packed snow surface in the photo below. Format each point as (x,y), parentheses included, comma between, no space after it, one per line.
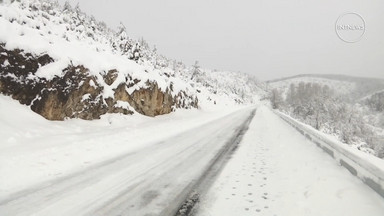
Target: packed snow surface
(276,171)
(136,165)
(119,165)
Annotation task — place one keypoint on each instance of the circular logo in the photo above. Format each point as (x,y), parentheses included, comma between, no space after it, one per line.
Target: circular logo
(350,27)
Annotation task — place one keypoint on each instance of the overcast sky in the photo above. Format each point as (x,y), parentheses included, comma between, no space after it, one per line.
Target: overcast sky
(267,38)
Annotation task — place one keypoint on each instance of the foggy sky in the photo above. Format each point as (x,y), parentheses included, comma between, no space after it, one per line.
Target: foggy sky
(267,38)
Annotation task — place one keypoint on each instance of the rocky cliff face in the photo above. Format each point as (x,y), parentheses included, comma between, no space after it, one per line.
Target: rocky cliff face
(78,94)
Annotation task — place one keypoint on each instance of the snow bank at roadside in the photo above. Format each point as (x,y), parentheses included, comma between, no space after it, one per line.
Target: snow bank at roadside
(368,168)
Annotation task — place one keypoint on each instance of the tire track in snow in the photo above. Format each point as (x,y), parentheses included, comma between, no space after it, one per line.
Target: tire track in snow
(152,181)
(213,170)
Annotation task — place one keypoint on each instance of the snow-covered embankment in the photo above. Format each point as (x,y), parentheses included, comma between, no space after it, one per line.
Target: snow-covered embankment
(366,167)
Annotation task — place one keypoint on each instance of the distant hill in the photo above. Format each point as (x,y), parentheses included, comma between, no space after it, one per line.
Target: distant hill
(351,87)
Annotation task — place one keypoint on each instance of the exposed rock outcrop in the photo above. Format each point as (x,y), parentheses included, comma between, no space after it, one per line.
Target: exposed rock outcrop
(16,74)
(71,96)
(152,101)
(78,94)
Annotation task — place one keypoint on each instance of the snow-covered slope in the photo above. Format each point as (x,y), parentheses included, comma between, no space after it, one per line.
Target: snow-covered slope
(102,70)
(350,109)
(373,94)
(226,88)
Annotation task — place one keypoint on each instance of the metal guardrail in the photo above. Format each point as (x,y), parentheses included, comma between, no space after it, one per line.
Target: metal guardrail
(368,172)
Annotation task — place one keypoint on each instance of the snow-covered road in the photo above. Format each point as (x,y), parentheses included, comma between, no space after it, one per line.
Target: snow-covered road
(277,172)
(274,170)
(153,180)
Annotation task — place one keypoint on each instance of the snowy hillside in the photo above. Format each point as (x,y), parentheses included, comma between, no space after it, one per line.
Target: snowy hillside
(224,87)
(339,87)
(65,64)
(349,108)
(347,86)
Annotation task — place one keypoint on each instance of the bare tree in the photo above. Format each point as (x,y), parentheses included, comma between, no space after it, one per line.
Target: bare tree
(196,72)
(276,99)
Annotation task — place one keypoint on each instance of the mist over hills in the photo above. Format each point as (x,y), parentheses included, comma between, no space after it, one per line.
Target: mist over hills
(351,87)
